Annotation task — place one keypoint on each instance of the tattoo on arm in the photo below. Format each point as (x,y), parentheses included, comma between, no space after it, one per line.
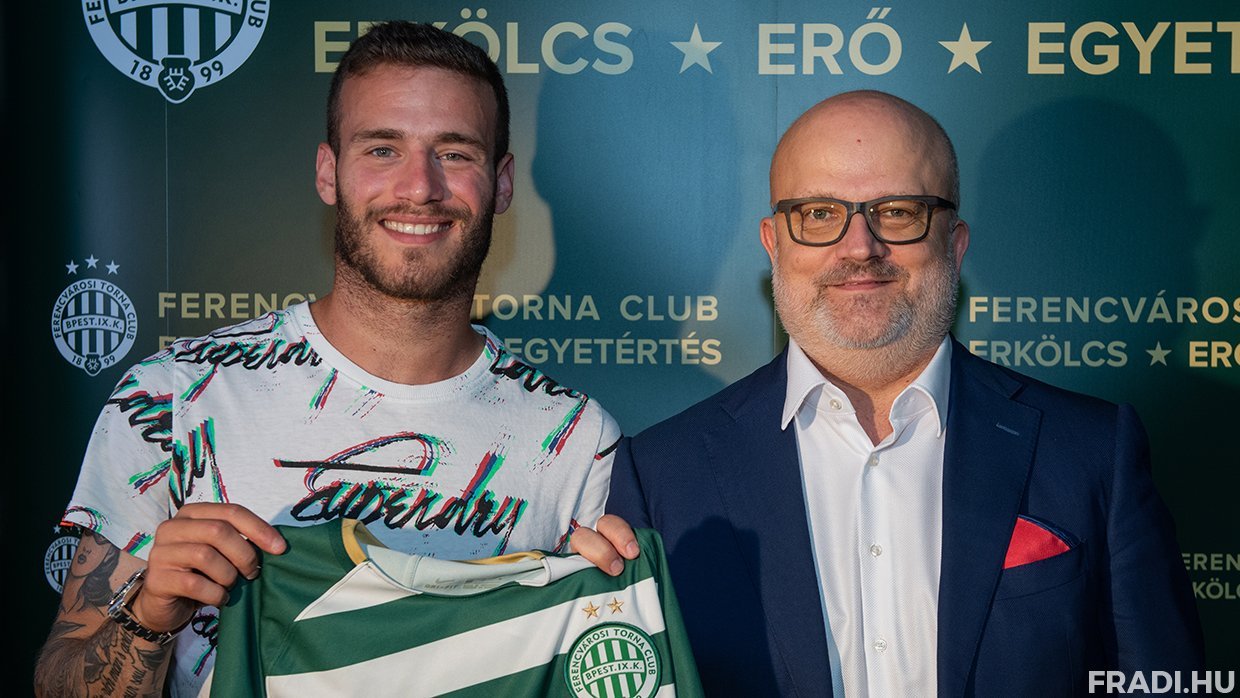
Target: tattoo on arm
(96,589)
(116,666)
(88,654)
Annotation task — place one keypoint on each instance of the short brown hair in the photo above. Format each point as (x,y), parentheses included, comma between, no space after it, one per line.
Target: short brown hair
(417,45)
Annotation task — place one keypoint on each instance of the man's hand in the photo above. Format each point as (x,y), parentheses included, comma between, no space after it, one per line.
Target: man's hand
(606,544)
(196,557)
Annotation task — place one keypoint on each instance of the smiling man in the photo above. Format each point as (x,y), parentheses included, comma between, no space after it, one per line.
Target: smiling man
(379,402)
(878,512)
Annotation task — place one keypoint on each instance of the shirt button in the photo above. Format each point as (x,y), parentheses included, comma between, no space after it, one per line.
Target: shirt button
(876,550)
(880,645)
(873,460)
(836,404)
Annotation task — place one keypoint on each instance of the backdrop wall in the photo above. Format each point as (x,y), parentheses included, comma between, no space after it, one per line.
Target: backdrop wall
(164,162)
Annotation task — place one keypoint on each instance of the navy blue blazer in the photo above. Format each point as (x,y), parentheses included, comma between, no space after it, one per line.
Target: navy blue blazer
(721,482)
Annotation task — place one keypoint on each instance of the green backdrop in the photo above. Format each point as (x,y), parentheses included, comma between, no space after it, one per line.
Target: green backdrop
(1098,145)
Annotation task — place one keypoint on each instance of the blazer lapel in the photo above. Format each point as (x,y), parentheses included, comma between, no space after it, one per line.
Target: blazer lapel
(758,475)
(989,450)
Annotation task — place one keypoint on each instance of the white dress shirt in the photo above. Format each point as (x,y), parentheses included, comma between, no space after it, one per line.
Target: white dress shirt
(876,522)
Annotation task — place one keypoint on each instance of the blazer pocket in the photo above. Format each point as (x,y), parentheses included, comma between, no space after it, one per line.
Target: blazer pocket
(1042,575)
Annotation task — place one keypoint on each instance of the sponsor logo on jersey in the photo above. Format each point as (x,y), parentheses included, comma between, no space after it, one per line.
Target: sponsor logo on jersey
(176,46)
(94,323)
(613,659)
(59,556)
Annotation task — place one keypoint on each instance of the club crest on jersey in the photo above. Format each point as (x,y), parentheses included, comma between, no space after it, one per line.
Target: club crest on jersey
(613,659)
(94,323)
(176,46)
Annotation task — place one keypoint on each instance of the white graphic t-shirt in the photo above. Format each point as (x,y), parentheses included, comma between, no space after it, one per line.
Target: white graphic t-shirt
(268,415)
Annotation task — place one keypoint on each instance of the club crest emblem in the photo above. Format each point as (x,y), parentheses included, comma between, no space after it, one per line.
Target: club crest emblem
(613,659)
(94,323)
(176,46)
(59,556)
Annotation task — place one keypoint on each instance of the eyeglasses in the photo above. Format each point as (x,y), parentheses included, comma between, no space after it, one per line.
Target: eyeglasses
(895,220)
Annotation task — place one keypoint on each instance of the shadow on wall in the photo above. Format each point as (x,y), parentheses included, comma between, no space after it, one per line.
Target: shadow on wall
(638,172)
(1090,191)
(1089,199)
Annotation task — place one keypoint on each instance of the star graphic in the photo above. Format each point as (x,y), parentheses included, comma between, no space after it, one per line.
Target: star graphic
(964,50)
(696,51)
(1158,355)
(591,610)
(615,605)
(91,262)
(112,267)
(71,267)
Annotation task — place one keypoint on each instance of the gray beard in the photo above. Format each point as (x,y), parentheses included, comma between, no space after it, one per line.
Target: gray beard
(912,329)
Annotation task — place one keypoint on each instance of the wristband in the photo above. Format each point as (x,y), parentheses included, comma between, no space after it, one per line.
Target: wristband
(120,609)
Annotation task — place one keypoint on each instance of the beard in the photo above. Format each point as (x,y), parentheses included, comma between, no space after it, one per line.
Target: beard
(916,320)
(421,275)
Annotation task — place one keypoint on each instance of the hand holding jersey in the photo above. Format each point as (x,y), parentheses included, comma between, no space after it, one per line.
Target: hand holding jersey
(198,555)
(196,558)
(607,543)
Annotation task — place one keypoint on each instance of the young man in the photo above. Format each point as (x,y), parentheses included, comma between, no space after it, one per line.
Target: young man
(378,402)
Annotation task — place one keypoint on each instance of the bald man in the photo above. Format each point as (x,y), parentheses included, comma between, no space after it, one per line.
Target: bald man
(877,511)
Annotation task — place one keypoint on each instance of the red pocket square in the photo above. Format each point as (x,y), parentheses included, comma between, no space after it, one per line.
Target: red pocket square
(1032,542)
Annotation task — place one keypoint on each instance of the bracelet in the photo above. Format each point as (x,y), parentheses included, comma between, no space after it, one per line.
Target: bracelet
(120,609)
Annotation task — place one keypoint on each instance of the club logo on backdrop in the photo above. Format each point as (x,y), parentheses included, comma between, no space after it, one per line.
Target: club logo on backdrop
(94,323)
(59,556)
(176,46)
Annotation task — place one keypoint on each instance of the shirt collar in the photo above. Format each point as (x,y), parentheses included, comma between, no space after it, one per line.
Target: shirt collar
(804,382)
(807,384)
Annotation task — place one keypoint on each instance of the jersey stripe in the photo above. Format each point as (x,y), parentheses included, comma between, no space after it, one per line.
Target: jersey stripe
(546,633)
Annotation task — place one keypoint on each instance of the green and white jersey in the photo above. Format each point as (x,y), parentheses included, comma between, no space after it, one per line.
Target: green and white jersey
(269,415)
(338,614)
